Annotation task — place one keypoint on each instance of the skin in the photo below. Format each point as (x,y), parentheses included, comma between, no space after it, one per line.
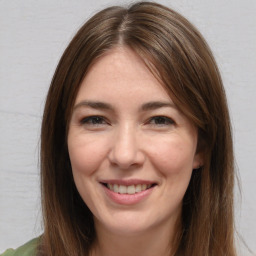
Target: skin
(126,138)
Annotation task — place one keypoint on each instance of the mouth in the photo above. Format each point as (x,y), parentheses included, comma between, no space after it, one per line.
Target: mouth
(128,189)
(128,192)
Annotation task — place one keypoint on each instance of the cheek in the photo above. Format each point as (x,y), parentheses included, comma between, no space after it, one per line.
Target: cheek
(85,156)
(174,163)
(174,156)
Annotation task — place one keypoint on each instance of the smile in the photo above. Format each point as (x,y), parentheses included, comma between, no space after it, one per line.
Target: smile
(128,192)
(131,189)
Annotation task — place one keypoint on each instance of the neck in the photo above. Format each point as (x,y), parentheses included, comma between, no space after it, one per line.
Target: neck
(157,241)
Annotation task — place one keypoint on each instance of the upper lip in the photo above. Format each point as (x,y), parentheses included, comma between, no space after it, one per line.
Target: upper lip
(127,182)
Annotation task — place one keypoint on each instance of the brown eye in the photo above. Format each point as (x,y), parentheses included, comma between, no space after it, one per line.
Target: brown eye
(161,121)
(93,120)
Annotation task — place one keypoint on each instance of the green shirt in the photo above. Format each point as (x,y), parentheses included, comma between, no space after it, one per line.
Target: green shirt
(28,249)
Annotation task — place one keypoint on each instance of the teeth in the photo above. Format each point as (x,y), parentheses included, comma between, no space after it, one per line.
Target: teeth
(122,189)
(132,189)
(143,187)
(116,188)
(138,188)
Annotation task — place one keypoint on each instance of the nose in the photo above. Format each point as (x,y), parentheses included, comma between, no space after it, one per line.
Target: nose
(125,148)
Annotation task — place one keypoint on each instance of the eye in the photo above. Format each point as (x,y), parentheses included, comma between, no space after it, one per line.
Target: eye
(93,121)
(161,121)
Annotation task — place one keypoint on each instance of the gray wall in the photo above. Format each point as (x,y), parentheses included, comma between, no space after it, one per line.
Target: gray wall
(33,35)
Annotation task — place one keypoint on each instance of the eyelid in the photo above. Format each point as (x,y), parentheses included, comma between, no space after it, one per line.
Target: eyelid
(169,121)
(88,120)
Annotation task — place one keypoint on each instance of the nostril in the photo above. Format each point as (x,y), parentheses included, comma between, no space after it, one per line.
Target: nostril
(126,154)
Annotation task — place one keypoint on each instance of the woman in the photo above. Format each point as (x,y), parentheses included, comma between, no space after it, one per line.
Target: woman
(136,147)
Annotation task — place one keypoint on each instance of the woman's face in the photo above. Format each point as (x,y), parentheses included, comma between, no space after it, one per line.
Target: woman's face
(132,151)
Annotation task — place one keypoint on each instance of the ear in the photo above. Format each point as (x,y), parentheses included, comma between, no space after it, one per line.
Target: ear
(198,160)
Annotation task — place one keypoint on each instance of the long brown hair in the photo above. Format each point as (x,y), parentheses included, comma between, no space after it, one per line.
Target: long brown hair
(179,57)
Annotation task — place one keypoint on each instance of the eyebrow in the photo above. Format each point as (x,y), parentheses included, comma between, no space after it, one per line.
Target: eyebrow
(94,104)
(105,106)
(156,104)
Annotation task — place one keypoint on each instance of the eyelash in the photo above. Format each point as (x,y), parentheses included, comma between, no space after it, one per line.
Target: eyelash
(167,121)
(99,120)
(93,120)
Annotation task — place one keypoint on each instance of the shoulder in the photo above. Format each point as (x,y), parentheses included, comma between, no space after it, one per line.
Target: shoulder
(28,249)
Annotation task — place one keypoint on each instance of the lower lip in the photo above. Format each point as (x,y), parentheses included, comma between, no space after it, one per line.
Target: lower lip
(128,199)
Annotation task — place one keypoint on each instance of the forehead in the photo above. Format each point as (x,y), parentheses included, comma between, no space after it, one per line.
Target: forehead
(120,71)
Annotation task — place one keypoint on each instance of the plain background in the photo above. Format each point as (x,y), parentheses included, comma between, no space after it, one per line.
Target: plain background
(33,35)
